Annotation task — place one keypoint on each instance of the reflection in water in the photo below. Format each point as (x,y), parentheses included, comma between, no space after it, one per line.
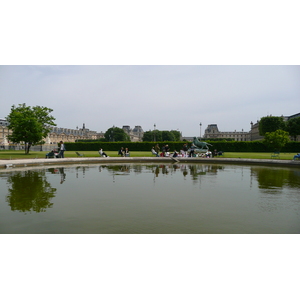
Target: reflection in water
(273,183)
(29,191)
(151,198)
(194,170)
(276,178)
(60,171)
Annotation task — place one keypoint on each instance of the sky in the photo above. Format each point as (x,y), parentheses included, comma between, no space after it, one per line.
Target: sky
(173,97)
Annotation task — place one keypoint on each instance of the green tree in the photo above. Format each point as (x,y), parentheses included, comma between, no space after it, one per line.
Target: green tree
(152,135)
(293,127)
(29,124)
(176,134)
(167,136)
(116,134)
(271,124)
(277,139)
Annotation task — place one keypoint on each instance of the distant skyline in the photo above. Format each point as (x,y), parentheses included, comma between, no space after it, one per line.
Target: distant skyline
(172,97)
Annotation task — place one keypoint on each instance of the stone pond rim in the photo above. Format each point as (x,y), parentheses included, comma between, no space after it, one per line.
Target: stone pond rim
(9,164)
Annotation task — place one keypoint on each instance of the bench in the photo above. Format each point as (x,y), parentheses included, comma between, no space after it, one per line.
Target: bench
(275,154)
(79,154)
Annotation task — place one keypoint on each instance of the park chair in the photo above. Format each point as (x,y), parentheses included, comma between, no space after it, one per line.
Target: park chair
(275,154)
(79,154)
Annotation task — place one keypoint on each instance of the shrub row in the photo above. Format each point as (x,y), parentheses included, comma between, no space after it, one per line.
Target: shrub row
(232,146)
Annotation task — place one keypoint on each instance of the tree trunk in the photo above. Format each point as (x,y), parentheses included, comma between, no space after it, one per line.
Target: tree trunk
(27,147)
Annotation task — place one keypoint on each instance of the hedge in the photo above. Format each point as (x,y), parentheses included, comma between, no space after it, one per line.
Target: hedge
(231,146)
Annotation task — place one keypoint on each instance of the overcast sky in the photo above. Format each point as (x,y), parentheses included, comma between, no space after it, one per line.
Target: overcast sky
(172,97)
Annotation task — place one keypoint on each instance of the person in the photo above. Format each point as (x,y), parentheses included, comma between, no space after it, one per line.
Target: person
(127,154)
(102,153)
(296,156)
(208,154)
(62,149)
(154,152)
(192,151)
(175,154)
(51,154)
(163,150)
(185,149)
(157,149)
(121,151)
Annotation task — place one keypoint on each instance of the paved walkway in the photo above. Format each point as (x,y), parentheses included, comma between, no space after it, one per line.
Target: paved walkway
(87,160)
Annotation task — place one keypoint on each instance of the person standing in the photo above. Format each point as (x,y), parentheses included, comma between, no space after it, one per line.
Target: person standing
(62,149)
(157,149)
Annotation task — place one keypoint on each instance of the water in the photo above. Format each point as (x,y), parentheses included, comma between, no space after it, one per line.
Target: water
(139,198)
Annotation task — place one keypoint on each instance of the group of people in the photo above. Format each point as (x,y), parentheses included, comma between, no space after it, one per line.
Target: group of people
(165,151)
(57,153)
(124,152)
(184,152)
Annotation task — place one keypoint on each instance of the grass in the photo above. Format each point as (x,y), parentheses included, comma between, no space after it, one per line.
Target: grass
(15,154)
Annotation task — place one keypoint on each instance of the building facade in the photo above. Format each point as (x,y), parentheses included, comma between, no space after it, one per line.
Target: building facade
(58,134)
(136,134)
(212,132)
(4,132)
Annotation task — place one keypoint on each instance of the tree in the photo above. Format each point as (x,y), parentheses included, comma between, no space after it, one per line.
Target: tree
(159,136)
(271,124)
(277,139)
(167,136)
(152,136)
(116,134)
(176,134)
(293,127)
(29,124)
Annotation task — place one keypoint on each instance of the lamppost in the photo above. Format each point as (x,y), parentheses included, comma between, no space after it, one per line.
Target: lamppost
(154,132)
(200,130)
(251,123)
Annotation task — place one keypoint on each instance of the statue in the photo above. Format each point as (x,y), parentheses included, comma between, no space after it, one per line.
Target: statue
(200,144)
(198,147)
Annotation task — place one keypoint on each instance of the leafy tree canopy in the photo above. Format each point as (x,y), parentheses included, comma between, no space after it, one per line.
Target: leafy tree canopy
(293,127)
(29,124)
(276,139)
(271,124)
(116,134)
(160,136)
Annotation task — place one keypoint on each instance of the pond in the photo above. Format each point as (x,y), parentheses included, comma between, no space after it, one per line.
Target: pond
(150,198)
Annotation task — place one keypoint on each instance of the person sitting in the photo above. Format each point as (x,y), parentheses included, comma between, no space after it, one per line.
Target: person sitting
(296,156)
(183,153)
(154,152)
(50,154)
(53,154)
(102,153)
(121,152)
(175,154)
(208,154)
(127,154)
